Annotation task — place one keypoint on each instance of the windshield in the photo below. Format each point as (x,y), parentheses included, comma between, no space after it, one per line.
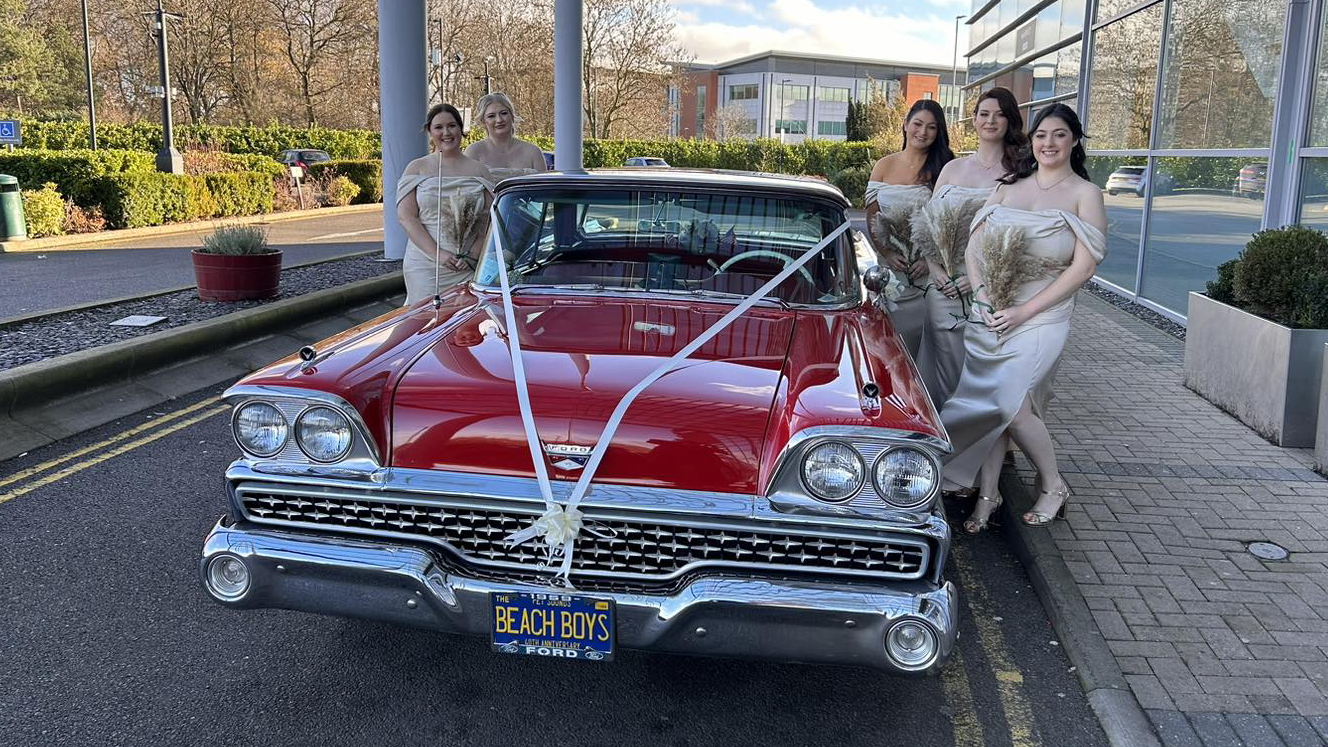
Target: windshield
(674,241)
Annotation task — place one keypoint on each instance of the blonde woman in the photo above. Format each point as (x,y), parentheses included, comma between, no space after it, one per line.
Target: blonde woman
(501,150)
(899,184)
(1038,239)
(443,204)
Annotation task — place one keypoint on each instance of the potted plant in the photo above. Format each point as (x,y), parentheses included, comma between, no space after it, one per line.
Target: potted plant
(1254,343)
(236,263)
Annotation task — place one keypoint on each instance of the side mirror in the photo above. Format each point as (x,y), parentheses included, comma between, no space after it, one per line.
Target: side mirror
(874,279)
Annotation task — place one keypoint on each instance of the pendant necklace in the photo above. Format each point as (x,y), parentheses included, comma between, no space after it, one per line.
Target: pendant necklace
(1058,181)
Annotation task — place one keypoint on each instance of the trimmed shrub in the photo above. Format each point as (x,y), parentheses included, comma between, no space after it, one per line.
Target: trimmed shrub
(239,193)
(76,173)
(1278,270)
(44,211)
(367,175)
(1223,289)
(339,191)
(136,200)
(265,141)
(853,182)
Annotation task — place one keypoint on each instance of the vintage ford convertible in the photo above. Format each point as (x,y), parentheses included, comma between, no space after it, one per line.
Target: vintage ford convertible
(771,493)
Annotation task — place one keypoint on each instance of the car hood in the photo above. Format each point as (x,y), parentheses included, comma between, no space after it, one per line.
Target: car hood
(700,427)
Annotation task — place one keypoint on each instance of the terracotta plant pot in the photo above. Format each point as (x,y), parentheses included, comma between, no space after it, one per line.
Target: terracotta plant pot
(227,277)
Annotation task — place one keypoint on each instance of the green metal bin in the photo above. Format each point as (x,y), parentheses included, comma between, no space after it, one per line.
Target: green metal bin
(12,223)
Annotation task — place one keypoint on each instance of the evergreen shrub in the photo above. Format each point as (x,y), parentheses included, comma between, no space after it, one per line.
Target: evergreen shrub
(44,211)
(366,174)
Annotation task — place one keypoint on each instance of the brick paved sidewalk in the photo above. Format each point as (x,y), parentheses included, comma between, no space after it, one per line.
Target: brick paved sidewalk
(1220,647)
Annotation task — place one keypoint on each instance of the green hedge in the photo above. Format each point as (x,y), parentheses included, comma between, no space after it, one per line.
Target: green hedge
(818,157)
(268,141)
(75,173)
(153,199)
(43,211)
(366,174)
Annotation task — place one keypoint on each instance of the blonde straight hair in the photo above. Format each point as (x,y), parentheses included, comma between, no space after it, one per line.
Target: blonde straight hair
(497,97)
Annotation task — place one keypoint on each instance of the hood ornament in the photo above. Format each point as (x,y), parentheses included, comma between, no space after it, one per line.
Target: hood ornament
(573,457)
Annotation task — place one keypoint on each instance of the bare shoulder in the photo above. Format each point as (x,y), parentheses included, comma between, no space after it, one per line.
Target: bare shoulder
(883,165)
(952,171)
(476,149)
(1087,192)
(420,165)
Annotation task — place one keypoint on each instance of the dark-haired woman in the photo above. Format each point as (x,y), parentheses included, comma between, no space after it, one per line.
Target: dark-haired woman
(941,231)
(442,203)
(899,184)
(1036,241)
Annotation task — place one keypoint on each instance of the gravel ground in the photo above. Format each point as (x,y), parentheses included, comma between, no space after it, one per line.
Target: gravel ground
(58,334)
(1148,315)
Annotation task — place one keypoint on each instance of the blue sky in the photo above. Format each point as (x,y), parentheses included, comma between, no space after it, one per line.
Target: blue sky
(905,30)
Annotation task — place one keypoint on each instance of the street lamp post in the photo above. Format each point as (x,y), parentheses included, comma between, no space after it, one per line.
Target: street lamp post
(168,158)
(87,67)
(780,115)
(488,79)
(954,73)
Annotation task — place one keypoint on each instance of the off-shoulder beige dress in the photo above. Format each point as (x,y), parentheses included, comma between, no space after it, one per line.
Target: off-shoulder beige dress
(503,172)
(948,214)
(898,203)
(1000,373)
(452,210)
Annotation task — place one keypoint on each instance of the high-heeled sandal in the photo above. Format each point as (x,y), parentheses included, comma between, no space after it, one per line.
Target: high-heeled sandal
(978,526)
(1039,519)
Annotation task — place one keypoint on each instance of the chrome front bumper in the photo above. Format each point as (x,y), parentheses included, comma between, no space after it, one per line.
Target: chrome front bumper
(787,620)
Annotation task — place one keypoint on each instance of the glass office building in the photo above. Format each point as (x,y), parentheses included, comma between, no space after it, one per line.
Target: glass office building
(1206,119)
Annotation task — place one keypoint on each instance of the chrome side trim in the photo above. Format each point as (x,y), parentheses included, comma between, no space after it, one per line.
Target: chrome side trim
(363,458)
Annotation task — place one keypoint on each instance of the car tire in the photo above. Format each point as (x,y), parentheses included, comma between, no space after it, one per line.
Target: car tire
(1111,192)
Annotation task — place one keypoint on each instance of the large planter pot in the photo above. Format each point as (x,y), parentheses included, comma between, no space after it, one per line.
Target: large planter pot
(1321,441)
(228,277)
(1265,374)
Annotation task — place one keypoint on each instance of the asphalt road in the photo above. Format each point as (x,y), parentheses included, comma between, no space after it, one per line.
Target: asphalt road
(107,638)
(32,282)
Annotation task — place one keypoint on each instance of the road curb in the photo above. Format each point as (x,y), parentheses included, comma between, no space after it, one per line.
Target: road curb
(81,241)
(1109,695)
(43,385)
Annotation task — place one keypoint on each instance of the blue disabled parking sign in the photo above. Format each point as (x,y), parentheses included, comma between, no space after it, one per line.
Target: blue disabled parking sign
(10,132)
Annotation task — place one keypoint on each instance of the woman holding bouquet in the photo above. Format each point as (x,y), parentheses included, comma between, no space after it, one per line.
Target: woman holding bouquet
(941,231)
(899,184)
(1036,241)
(501,150)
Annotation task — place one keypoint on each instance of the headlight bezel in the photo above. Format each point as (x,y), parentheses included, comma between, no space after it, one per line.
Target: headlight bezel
(787,493)
(863,471)
(882,493)
(235,428)
(362,461)
(299,441)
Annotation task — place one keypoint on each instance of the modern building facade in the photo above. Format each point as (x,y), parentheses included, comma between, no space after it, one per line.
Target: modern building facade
(1212,115)
(793,96)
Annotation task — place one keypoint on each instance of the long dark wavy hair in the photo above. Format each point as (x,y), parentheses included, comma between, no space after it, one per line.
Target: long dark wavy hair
(1016,140)
(939,153)
(1078,157)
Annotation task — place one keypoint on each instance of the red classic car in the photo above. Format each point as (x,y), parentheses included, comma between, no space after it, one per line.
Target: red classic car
(715,442)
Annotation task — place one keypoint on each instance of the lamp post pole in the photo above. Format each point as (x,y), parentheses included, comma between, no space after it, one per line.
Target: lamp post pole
(168,158)
(87,68)
(954,73)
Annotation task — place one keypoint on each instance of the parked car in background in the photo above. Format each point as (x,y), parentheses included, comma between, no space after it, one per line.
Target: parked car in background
(303,157)
(775,496)
(1134,179)
(1251,181)
(646,161)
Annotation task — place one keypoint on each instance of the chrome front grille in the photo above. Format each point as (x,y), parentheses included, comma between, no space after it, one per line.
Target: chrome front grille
(609,547)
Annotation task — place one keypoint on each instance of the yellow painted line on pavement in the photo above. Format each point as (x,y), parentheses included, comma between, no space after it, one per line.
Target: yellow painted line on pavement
(31,471)
(1009,678)
(959,694)
(123,448)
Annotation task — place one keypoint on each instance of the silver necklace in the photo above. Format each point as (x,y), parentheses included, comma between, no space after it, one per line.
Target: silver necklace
(1058,181)
(986,166)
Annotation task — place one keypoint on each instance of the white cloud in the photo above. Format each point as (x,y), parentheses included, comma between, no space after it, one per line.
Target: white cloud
(740,6)
(801,26)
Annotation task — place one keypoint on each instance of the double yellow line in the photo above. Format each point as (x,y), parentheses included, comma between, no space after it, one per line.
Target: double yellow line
(110,448)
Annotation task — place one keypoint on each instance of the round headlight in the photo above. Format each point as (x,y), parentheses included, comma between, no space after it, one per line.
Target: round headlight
(260,429)
(911,644)
(323,434)
(905,477)
(833,471)
(227,577)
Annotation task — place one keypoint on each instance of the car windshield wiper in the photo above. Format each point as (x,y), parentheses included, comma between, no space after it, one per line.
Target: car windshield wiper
(707,293)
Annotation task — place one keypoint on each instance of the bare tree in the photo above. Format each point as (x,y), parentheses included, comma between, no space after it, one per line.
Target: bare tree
(629,46)
(316,35)
(733,121)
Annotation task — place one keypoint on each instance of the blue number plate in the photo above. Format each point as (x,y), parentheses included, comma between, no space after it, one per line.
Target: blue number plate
(553,624)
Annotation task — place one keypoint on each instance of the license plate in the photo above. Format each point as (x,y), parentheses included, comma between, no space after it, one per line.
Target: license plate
(553,624)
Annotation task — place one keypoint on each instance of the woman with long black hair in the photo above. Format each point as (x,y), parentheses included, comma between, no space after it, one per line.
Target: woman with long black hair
(899,184)
(1038,239)
(941,231)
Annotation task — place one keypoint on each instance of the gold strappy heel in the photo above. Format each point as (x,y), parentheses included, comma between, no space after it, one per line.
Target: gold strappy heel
(978,526)
(1039,519)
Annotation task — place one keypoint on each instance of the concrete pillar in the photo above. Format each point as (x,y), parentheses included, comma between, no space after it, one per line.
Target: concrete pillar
(567,115)
(403,101)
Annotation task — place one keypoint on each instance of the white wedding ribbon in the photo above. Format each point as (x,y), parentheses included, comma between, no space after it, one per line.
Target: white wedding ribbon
(560,525)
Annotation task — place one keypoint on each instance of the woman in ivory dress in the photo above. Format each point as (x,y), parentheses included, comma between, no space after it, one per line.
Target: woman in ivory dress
(1036,241)
(941,231)
(501,150)
(899,184)
(443,204)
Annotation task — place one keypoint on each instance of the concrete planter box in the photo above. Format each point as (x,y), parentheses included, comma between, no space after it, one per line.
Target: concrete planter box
(1265,374)
(1321,442)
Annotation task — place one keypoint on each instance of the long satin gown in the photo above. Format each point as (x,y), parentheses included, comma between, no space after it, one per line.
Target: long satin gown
(503,172)
(1000,373)
(452,210)
(941,358)
(897,204)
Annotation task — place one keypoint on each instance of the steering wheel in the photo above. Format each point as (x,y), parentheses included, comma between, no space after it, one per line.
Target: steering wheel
(767,253)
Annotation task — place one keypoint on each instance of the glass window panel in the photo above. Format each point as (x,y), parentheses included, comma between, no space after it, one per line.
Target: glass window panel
(1044,78)
(1204,211)
(1314,193)
(1005,50)
(1047,26)
(833,94)
(1125,176)
(1220,76)
(831,128)
(1111,8)
(743,92)
(1319,120)
(1072,17)
(1123,80)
